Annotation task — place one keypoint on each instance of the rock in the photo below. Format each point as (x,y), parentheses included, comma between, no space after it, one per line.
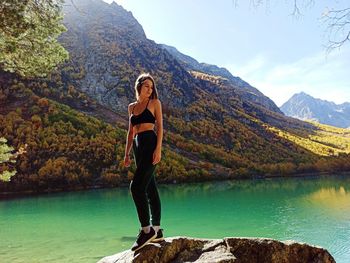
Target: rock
(239,250)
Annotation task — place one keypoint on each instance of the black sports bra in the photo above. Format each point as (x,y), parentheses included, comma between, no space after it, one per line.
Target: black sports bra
(144,117)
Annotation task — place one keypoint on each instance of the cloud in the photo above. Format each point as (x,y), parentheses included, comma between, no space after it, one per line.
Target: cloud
(320,75)
(257,64)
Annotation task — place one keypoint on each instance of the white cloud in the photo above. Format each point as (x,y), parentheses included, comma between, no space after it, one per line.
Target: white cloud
(257,64)
(321,76)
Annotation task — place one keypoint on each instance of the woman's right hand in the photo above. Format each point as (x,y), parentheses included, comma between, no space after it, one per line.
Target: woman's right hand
(127,161)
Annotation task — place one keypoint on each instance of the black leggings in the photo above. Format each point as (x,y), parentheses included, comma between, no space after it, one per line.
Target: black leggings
(143,186)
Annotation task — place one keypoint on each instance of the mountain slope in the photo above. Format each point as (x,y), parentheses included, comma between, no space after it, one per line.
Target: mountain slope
(306,107)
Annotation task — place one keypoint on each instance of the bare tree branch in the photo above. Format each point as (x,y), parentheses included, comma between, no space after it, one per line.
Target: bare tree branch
(337,20)
(296,11)
(338,26)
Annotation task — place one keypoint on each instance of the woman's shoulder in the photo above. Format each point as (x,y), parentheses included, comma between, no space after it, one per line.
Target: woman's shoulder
(132,104)
(155,101)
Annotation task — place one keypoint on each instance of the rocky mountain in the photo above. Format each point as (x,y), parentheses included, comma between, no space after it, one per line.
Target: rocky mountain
(306,107)
(109,49)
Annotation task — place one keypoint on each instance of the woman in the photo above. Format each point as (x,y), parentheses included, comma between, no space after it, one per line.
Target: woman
(146,145)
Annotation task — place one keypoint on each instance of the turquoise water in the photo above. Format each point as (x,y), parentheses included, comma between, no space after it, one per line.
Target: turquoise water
(86,226)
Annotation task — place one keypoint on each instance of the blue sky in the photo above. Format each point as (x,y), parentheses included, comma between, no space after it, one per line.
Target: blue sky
(272,50)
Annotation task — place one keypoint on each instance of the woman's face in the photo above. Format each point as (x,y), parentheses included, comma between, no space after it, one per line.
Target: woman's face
(146,88)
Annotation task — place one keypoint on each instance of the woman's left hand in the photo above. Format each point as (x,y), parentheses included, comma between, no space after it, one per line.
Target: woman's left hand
(156,156)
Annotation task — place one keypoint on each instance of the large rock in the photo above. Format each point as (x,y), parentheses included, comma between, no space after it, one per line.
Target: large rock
(239,250)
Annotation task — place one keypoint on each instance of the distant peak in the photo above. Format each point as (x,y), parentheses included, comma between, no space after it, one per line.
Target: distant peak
(302,93)
(114,3)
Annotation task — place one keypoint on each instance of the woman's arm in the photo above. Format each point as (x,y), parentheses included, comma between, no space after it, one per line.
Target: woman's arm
(159,122)
(130,135)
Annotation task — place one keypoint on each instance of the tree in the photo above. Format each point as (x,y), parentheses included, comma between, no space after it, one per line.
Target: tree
(6,156)
(28,36)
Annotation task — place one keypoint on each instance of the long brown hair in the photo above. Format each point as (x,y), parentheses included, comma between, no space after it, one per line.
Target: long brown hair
(138,85)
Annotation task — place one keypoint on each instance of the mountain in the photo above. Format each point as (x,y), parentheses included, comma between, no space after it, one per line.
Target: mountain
(115,49)
(306,107)
(109,49)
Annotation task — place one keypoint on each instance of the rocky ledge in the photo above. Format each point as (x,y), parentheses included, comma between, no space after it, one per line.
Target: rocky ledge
(242,250)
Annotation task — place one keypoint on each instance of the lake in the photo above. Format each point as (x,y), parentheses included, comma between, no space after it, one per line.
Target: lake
(85,226)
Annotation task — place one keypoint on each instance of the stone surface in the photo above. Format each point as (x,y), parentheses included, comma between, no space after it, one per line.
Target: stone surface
(239,250)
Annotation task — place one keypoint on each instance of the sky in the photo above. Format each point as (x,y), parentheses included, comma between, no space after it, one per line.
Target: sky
(276,52)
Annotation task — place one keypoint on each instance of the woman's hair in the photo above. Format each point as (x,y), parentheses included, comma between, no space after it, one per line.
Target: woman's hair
(138,84)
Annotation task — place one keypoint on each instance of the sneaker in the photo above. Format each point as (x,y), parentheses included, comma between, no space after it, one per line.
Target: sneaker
(143,239)
(159,236)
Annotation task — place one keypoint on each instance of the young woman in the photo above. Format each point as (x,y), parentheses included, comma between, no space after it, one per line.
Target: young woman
(144,114)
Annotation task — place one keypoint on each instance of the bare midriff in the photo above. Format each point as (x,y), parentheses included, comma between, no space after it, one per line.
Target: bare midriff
(142,127)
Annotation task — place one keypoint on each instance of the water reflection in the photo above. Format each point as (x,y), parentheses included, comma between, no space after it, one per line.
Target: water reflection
(286,185)
(333,198)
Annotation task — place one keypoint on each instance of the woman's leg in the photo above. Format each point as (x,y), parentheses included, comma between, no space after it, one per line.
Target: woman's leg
(154,201)
(139,191)
(142,178)
(143,147)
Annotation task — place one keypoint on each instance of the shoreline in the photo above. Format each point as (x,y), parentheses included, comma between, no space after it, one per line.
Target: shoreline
(31,193)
